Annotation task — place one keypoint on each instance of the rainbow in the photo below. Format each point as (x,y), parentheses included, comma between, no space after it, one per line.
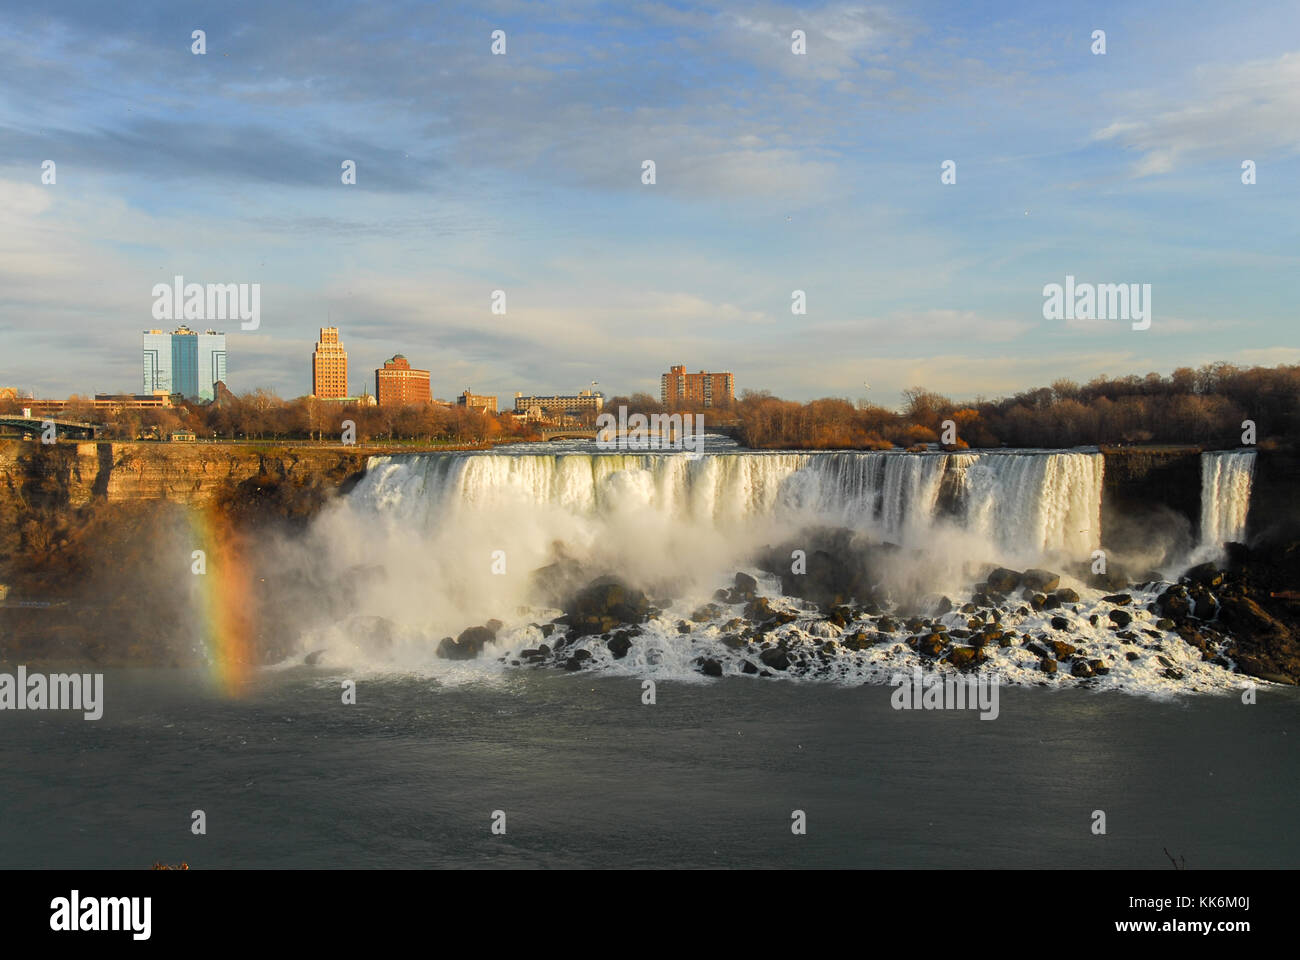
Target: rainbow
(226,615)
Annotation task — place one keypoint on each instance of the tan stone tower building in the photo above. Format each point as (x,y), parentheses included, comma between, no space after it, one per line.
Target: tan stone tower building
(329,366)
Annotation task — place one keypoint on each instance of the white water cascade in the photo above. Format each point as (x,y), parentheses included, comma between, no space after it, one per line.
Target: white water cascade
(1017,503)
(1226,478)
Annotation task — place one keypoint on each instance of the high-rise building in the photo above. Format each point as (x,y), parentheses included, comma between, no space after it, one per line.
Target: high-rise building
(396,384)
(677,388)
(481,401)
(329,366)
(184,361)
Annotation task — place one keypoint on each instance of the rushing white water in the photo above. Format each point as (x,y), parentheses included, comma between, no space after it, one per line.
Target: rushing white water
(1226,478)
(428,545)
(1024,504)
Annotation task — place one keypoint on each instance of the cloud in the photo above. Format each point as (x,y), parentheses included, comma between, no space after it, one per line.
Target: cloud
(1243,111)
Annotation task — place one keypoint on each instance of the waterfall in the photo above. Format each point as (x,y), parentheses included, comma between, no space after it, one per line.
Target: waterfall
(1022,503)
(1226,478)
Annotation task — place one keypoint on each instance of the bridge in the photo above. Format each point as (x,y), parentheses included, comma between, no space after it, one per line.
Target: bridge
(564,433)
(62,428)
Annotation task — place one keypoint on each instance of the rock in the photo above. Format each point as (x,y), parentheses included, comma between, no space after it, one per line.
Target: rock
(1204,606)
(547,629)
(1099,667)
(1115,578)
(604,604)
(841,616)
(1062,649)
(747,667)
(1121,618)
(467,646)
(746,586)
(1043,581)
(1066,595)
(710,611)
(1052,602)
(1081,668)
(1171,674)
(856,641)
(963,658)
(619,644)
(932,645)
(1164,623)
(1060,623)
(1264,644)
(943,606)
(1119,599)
(1049,666)
(1205,574)
(1003,580)
(1131,656)
(775,658)
(759,609)
(711,668)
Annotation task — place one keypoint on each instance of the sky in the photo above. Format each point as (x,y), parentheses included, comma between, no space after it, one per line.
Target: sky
(775,172)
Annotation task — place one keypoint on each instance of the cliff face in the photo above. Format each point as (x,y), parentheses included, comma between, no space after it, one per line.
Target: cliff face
(72,474)
(96,538)
(1148,492)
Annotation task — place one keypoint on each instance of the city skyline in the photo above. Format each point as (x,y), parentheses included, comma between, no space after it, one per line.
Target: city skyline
(776,174)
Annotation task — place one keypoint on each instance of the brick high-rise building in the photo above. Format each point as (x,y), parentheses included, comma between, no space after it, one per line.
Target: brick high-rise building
(677,388)
(329,366)
(396,384)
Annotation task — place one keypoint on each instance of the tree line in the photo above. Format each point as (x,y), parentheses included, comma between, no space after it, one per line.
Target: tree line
(1205,406)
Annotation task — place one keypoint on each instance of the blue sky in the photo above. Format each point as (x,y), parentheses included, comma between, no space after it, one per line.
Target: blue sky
(775,173)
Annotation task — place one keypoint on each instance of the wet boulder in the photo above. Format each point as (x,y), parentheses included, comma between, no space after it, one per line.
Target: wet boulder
(1043,581)
(604,604)
(467,646)
(1002,580)
(1204,574)
(746,587)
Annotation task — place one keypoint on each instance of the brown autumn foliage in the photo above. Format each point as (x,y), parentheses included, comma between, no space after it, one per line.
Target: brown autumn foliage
(1204,407)
(261,415)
